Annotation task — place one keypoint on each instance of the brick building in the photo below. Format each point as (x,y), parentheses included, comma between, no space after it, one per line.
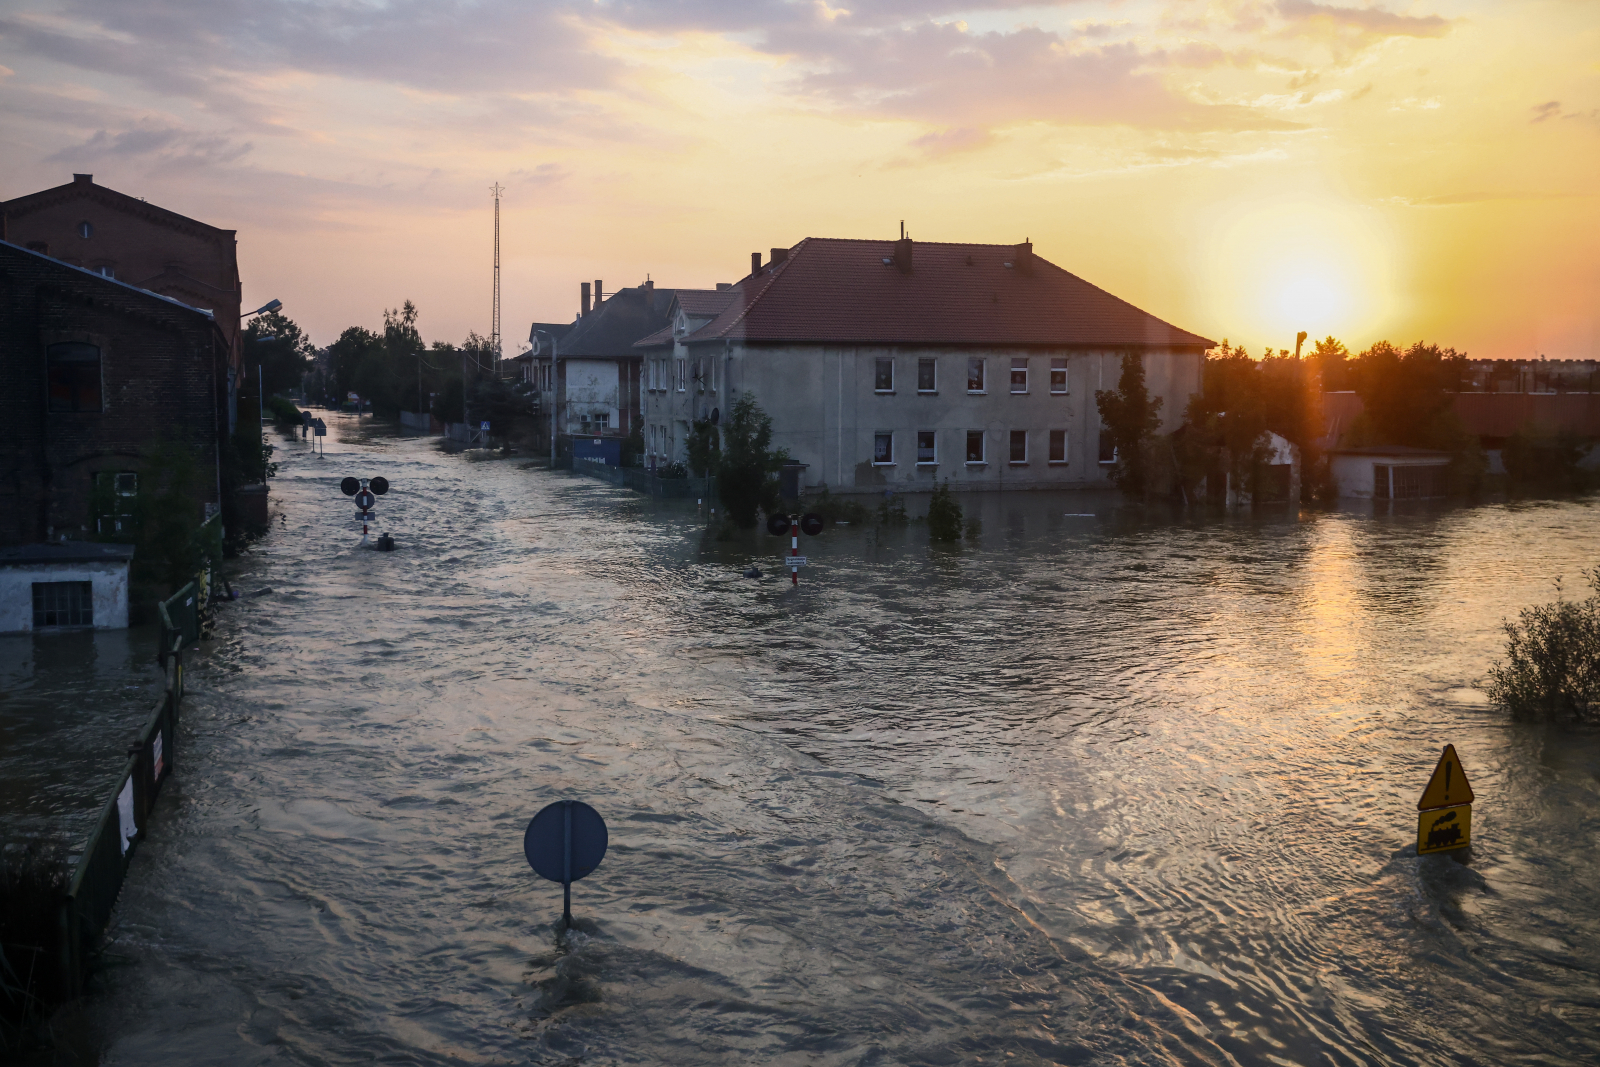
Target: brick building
(93,373)
(125,238)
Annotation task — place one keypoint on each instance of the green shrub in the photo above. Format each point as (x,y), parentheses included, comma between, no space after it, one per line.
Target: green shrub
(284,411)
(746,472)
(1541,461)
(838,509)
(944,514)
(892,512)
(1552,667)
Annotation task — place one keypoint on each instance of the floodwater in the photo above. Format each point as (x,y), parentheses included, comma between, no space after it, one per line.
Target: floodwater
(1095,790)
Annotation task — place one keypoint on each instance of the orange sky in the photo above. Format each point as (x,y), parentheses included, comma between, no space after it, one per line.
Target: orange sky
(1243,169)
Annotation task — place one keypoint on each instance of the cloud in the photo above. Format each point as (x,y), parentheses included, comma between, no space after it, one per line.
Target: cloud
(1361,25)
(166,146)
(1549,109)
(947,142)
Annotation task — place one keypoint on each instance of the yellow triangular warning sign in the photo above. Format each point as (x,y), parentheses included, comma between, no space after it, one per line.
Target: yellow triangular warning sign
(1448,784)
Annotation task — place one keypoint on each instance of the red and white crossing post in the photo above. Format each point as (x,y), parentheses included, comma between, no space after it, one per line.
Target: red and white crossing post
(794,549)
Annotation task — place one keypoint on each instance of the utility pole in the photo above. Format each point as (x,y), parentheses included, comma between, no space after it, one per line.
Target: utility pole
(494,322)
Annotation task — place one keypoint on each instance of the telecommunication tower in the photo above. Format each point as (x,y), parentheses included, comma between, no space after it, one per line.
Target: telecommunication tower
(494,324)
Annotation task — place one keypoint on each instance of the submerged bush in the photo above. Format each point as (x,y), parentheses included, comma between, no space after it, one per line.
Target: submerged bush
(944,514)
(1552,668)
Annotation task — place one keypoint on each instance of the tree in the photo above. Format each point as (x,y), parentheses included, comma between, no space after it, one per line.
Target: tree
(1131,416)
(702,447)
(281,348)
(348,355)
(745,472)
(1406,394)
(1330,358)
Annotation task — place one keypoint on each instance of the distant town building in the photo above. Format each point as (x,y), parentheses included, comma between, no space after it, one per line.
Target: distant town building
(94,373)
(149,247)
(894,364)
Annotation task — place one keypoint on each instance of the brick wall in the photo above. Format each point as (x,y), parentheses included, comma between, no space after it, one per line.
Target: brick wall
(162,374)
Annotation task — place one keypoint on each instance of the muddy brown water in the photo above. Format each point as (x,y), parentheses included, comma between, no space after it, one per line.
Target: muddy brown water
(1093,790)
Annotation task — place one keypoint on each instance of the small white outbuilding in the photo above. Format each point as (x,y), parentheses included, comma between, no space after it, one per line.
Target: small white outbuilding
(1390,472)
(64,585)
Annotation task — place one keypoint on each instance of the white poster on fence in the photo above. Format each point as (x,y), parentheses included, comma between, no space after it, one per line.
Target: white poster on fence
(127,831)
(155,758)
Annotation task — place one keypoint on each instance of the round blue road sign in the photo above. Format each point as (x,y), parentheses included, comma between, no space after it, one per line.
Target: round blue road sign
(546,842)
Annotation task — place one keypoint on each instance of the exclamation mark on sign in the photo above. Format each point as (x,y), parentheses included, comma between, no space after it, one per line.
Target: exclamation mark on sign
(1448,767)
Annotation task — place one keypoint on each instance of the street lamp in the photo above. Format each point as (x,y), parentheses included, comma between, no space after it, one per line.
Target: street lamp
(267,308)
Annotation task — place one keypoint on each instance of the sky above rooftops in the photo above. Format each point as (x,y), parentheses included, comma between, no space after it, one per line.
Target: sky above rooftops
(1240,169)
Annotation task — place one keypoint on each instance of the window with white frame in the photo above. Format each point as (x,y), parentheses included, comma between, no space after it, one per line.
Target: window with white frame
(883,377)
(1019,446)
(1058,446)
(974,446)
(975,375)
(927,375)
(683,375)
(1019,374)
(1108,448)
(115,493)
(883,448)
(927,454)
(1058,374)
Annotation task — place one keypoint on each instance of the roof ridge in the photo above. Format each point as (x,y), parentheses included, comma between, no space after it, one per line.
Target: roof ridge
(772,279)
(209,313)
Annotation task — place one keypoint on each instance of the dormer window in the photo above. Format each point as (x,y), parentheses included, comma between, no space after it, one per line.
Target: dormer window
(86,230)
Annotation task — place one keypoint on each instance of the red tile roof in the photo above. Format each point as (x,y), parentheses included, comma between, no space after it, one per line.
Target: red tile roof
(834,291)
(702,302)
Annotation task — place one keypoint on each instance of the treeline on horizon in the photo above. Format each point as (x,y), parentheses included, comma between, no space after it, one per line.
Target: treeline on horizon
(394,368)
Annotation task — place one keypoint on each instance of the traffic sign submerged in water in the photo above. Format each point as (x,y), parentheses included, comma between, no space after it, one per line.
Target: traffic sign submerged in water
(1444,814)
(564,842)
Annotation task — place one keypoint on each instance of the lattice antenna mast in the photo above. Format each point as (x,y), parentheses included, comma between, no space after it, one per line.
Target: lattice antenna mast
(494,324)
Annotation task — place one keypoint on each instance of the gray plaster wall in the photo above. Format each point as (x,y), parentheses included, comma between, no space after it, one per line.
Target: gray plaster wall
(827,412)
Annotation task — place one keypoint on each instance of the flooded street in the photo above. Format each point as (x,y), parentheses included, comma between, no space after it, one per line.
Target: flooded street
(1094,790)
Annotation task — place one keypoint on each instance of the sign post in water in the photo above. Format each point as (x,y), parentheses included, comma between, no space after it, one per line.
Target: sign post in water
(564,842)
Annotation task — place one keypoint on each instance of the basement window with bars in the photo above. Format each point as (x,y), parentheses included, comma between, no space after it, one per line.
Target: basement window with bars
(63,604)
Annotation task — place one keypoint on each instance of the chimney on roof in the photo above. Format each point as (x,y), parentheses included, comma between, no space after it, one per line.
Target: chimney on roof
(583,301)
(778,256)
(83,179)
(902,255)
(1022,256)
(648,284)
(755,262)
(598,294)
(721,286)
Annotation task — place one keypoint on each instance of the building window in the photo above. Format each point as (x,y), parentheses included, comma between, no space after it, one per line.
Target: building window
(682,369)
(108,272)
(1058,446)
(63,604)
(883,380)
(1019,446)
(711,374)
(975,375)
(1019,374)
(74,369)
(86,230)
(926,454)
(974,446)
(114,493)
(927,376)
(1108,451)
(1058,374)
(699,376)
(882,448)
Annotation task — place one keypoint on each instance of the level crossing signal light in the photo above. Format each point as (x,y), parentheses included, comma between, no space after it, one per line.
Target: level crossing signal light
(366,491)
(780,524)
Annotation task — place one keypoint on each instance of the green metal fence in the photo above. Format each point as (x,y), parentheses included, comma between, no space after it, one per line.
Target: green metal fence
(98,877)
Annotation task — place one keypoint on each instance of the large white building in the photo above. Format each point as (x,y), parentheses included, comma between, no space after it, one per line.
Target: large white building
(894,364)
